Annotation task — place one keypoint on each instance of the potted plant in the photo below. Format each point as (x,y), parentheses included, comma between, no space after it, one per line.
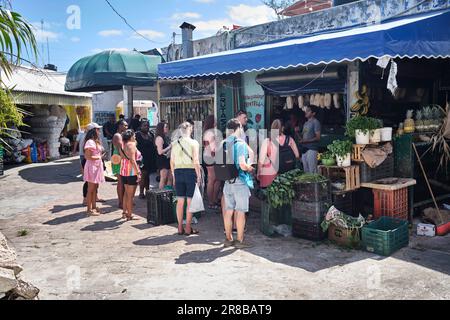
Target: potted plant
(360,127)
(375,131)
(342,149)
(328,159)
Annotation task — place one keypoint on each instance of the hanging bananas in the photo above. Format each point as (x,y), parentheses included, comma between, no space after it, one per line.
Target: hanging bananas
(362,104)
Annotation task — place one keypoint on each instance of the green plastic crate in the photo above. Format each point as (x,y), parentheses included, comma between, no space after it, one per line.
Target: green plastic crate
(385,236)
(271,217)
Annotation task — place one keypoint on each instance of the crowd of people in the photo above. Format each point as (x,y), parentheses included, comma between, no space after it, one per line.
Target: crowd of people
(177,161)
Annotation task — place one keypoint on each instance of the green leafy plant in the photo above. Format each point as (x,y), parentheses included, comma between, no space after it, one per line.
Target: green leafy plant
(10,114)
(363,123)
(311,178)
(22,233)
(16,38)
(281,192)
(328,155)
(341,148)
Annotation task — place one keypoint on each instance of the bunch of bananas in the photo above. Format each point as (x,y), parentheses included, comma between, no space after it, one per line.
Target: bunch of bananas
(362,104)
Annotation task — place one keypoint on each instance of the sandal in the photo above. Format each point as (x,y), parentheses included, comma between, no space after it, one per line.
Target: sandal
(193,231)
(101,200)
(92,213)
(182,233)
(124,216)
(132,218)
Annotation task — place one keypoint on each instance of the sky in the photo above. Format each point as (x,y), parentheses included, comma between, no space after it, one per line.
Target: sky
(78,28)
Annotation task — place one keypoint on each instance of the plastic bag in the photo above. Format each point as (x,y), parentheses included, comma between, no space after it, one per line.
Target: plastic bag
(283,230)
(197,204)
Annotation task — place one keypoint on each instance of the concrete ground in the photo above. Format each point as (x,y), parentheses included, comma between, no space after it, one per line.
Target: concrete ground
(70,256)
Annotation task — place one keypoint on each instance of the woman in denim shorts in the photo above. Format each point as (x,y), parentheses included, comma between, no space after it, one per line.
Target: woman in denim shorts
(185,167)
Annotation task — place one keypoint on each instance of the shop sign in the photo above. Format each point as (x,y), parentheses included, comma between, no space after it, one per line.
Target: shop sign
(103,117)
(224,105)
(254,101)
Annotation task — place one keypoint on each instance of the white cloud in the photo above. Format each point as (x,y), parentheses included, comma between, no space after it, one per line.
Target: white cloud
(211,26)
(185,15)
(75,39)
(151,34)
(205,1)
(110,33)
(250,15)
(44,33)
(115,49)
(243,15)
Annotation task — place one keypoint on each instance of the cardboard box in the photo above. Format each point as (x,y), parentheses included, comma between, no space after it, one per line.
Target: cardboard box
(427,230)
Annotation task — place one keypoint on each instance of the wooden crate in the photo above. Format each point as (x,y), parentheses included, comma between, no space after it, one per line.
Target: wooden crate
(357,152)
(350,175)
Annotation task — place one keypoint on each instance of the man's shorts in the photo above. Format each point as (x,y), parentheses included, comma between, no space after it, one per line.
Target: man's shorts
(237,196)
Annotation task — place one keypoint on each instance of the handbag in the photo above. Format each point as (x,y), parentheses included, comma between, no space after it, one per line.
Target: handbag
(266,180)
(197,204)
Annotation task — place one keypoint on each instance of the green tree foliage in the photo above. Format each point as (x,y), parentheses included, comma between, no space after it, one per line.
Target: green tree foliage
(16,39)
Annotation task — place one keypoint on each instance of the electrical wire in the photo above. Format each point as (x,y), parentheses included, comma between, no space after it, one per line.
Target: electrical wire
(130,26)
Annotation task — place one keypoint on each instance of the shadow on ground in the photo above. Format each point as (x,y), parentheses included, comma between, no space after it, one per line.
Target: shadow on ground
(104,225)
(294,252)
(67,219)
(61,172)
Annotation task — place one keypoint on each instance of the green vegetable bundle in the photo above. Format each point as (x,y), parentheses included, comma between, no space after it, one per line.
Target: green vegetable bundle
(281,192)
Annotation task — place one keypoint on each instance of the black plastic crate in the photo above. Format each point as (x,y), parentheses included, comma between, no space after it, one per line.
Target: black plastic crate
(160,207)
(308,231)
(312,191)
(343,201)
(384,170)
(312,212)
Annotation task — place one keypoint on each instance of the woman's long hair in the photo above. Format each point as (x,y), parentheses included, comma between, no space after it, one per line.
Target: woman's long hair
(93,135)
(160,130)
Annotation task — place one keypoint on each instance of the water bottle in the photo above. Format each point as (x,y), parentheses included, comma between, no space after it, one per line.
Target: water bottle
(34,153)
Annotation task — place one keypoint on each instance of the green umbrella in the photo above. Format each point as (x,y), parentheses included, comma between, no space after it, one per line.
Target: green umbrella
(111,70)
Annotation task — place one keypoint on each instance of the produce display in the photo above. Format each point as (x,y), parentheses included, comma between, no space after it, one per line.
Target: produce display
(362,123)
(281,191)
(362,104)
(341,220)
(340,148)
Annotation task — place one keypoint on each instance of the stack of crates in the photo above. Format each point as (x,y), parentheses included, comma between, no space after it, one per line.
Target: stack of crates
(160,207)
(309,209)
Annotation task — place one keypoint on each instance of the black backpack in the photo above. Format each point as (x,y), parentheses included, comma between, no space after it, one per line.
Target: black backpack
(286,157)
(226,169)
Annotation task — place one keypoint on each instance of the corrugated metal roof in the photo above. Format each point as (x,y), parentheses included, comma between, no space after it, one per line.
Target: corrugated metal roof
(41,84)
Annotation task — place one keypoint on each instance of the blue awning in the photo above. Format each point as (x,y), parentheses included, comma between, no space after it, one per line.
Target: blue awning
(424,36)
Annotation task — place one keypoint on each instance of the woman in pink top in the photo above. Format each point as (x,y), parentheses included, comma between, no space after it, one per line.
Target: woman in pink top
(130,173)
(93,170)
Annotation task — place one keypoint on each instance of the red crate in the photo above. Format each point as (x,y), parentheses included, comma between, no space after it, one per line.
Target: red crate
(391,203)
